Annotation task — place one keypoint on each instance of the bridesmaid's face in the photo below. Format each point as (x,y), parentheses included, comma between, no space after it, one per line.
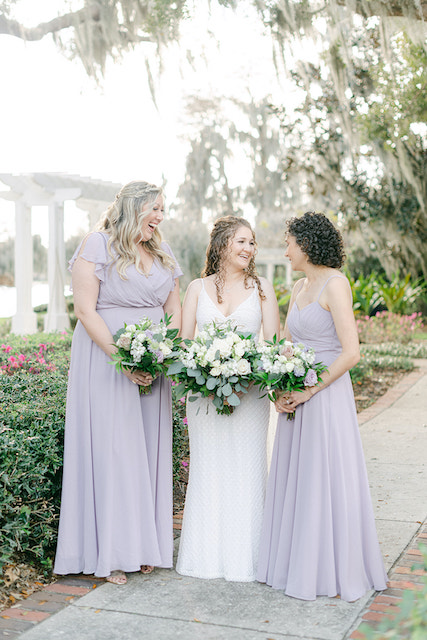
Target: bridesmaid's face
(150,222)
(241,248)
(295,254)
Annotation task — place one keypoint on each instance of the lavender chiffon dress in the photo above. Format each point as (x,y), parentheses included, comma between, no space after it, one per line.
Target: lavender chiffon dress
(116,509)
(318,535)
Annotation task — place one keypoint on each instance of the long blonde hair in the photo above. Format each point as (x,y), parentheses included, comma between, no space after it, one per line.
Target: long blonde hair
(122,223)
(223,231)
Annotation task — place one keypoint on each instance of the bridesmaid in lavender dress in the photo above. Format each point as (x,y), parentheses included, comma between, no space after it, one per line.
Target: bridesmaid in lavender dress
(116,509)
(319,535)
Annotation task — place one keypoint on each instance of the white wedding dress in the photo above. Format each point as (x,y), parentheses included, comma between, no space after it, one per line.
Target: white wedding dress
(228,469)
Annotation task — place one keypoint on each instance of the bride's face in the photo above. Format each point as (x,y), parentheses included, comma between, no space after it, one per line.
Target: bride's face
(241,248)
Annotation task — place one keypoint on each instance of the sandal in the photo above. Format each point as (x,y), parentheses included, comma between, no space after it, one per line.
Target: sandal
(147,568)
(116,577)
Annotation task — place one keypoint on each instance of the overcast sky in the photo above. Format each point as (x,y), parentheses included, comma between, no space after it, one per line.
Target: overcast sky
(56,119)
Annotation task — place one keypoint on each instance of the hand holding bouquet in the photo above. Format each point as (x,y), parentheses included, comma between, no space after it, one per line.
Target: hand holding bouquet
(146,346)
(285,366)
(217,364)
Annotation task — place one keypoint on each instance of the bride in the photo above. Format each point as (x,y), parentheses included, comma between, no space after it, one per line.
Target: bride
(228,460)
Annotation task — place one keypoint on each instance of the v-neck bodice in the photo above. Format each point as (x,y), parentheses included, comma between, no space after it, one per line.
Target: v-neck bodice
(137,290)
(314,326)
(247,314)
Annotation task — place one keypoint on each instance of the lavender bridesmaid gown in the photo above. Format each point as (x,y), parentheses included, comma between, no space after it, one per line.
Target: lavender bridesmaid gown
(319,535)
(116,509)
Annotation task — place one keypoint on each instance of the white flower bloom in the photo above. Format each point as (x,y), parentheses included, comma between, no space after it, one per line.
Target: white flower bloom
(124,342)
(243,367)
(239,349)
(165,349)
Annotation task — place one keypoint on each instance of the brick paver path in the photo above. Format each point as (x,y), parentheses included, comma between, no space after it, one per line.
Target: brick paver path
(408,573)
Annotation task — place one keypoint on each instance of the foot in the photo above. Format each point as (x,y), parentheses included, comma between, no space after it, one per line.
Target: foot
(146,568)
(117,577)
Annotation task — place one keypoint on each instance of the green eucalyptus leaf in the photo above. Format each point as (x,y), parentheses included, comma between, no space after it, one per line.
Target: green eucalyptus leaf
(227,389)
(233,400)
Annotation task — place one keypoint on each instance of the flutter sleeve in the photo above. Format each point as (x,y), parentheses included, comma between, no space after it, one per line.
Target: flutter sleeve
(177,271)
(93,248)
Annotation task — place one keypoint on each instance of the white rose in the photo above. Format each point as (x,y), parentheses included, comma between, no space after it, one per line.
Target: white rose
(223,346)
(124,342)
(215,372)
(243,367)
(289,366)
(239,349)
(165,349)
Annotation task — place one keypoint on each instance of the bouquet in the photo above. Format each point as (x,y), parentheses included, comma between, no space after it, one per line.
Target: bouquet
(286,366)
(146,346)
(217,364)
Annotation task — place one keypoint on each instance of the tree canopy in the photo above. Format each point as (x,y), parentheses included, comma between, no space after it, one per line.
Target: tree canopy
(356,145)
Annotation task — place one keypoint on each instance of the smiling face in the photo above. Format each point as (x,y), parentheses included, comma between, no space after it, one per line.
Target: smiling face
(151,219)
(241,248)
(295,254)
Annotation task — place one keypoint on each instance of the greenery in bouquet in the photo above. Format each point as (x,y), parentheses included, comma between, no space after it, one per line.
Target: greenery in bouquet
(216,364)
(283,366)
(147,346)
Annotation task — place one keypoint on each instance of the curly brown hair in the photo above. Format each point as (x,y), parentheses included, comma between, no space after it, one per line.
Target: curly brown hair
(318,238)
(223,232)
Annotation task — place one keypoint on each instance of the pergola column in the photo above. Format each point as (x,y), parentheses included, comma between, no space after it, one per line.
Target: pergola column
(24,320)
(56,318)
(270,272)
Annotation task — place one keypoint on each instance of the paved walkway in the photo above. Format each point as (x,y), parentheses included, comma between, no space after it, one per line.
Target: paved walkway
(165,605)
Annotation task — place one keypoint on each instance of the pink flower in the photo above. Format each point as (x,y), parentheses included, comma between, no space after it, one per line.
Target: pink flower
(6,348)
(182,400)
(184,463)
(185,421)
(287,351)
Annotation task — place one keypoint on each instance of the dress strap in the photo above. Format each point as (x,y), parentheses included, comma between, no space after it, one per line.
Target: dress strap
(330,278)
(203,283)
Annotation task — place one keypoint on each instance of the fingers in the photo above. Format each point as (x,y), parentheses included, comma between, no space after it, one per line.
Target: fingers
(285,404)
(139,377)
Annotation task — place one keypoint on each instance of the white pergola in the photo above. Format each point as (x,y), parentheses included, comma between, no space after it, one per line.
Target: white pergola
(271,258)
(50,190)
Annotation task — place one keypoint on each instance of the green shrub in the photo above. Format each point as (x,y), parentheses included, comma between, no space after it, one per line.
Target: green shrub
(400,294)
(366,298)
(180,445)
(33,384)
(373,293)
(387,326)
(385,356)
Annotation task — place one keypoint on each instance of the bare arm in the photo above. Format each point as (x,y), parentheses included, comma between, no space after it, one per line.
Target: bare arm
(189,309)
(86,291)
(270,311)
(172,307)
(337,298)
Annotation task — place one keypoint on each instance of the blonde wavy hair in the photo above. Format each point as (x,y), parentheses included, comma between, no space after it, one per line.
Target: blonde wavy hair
(223,232)
(122,223)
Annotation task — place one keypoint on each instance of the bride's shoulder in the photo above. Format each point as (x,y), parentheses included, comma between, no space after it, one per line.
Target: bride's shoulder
(195,287)
(266,286)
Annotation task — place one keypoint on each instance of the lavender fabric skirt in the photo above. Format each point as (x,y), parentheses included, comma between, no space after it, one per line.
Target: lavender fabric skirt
(116,510)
